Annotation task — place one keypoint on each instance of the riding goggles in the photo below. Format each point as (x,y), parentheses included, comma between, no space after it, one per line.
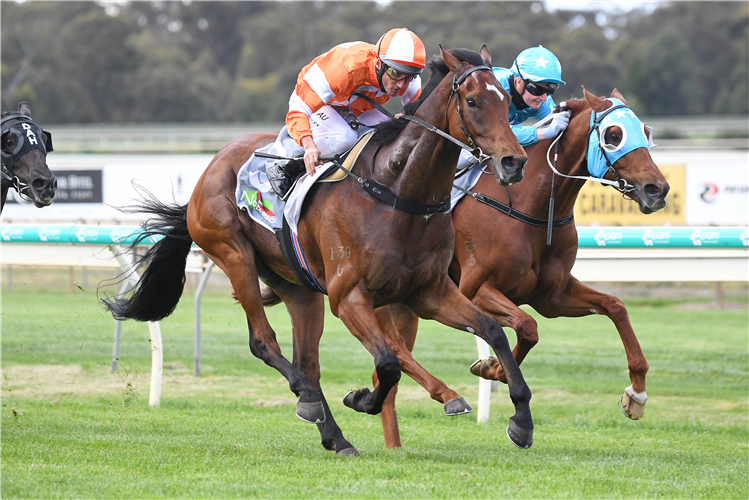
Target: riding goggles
(537,90)
(399,75)
(534,88)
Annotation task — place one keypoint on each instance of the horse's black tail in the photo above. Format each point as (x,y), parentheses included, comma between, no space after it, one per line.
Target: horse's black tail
(160,286)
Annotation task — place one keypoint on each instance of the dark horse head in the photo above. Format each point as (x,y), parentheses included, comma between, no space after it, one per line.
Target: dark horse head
(477,111)
(24,158)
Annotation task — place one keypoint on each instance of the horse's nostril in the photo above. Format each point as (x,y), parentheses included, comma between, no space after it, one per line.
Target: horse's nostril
(652,190)
(509,162)
(38,184)
(54,184)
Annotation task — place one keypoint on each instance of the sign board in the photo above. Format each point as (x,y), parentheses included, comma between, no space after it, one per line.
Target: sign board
(717,194)
(598,204)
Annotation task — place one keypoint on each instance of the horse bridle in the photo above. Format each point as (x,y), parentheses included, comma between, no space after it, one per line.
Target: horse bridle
(29,138)
(620,184)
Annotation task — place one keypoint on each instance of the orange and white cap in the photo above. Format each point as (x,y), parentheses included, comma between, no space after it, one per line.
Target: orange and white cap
(402,50)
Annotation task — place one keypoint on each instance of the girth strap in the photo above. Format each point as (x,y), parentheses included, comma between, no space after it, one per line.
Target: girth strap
(387,196)
(515,214)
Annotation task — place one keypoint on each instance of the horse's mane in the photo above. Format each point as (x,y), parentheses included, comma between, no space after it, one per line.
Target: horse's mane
(387,131)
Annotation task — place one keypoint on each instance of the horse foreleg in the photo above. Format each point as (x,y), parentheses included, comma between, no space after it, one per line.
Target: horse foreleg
(497,305)
(400,325)
(307,311)
(444,303)
(581,300)
(357,313)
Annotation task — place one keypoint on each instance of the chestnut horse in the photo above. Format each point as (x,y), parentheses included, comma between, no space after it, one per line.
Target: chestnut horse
(501,262)
(390,255)
(24,152)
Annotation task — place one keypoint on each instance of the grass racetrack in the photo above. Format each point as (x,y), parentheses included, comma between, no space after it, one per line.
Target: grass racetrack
(72,429)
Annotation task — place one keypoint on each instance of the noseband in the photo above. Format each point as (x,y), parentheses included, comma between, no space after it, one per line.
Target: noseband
(30,137)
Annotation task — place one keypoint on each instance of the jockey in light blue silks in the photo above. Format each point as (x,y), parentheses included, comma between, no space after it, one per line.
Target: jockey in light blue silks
(534,76)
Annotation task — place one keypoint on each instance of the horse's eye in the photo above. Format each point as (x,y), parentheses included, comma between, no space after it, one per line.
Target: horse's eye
(471,102)
(613,137)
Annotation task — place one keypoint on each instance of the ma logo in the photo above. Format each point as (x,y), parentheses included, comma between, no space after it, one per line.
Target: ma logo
(745,238)
(709,192)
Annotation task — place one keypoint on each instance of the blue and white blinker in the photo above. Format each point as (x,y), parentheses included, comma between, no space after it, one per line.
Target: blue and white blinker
(601,156)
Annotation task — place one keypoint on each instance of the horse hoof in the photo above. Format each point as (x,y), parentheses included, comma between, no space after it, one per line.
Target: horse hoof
(631,408)
(353,398)
(312,413)
(480,367)
(522,438)
(457,406)
(349,452)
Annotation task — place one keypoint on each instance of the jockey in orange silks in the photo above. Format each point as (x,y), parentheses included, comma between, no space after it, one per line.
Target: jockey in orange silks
(323,112)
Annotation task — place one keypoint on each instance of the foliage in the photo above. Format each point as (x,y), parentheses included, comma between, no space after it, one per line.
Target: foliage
(86,62)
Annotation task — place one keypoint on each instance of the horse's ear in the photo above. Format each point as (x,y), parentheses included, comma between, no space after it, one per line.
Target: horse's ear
(452,62)
(47,138)
(24,109)
(486,55)
(618,95)
(596,103)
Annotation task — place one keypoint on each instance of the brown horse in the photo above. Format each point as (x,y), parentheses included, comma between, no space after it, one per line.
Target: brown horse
(24,158)
(390,255)
(501,262)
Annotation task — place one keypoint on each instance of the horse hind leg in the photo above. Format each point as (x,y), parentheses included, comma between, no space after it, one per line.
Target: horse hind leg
(236,257)
(581,300)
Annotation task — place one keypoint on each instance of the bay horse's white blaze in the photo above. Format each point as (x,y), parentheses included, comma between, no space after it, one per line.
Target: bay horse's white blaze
(495,89)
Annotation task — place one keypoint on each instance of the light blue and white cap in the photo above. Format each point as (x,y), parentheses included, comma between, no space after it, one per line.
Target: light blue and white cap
(538,64)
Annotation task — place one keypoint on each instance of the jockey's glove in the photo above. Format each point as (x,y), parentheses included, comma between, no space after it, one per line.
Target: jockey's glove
(557,124)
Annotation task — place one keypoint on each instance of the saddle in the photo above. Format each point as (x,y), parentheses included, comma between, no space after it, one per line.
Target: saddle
(288,239)
(255,195)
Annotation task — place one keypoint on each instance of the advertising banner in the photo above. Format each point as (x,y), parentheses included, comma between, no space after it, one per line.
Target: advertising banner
(604,205)
(717,194)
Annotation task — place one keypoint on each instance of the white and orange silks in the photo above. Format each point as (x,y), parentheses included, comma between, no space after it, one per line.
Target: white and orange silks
(325,89)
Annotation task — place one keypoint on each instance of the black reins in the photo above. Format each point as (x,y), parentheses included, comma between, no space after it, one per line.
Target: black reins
(385,193)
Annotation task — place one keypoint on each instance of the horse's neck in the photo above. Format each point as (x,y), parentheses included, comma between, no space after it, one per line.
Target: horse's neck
(420,165)
(533,193)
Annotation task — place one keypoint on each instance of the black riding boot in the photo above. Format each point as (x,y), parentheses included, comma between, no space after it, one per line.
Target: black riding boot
(281,177)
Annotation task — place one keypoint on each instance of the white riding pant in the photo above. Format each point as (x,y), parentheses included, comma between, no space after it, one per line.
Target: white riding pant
(466,159)
(333,134)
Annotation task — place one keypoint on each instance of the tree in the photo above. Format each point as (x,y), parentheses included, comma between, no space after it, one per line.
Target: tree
(662,78)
